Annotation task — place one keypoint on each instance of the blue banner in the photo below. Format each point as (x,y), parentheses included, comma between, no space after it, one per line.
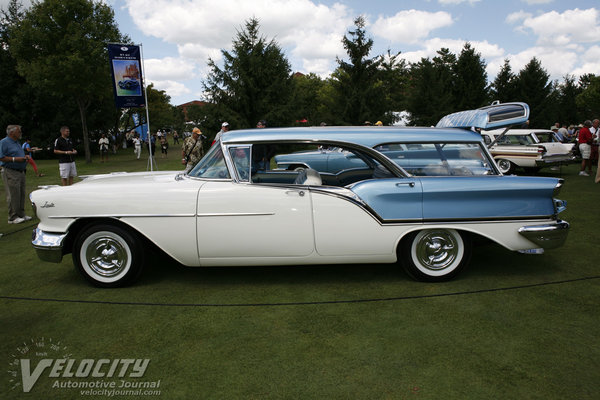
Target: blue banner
(142,129)
(126,68)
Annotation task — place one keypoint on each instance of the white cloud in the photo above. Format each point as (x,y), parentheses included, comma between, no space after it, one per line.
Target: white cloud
(201,28)
(515,17)
(410,26)
(589,62)
(532,2)
(560,29)
(173,88)
(486,49)
(169,68)
(453,2)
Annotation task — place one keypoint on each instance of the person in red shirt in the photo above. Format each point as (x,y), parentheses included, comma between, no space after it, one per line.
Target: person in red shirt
(585,147)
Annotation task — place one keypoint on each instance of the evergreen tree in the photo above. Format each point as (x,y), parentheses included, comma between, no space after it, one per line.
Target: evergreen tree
(395,76)
(588,101)
(359,91)
(568,91)
(470,80)
(534,88)
(503,88)
(255,82)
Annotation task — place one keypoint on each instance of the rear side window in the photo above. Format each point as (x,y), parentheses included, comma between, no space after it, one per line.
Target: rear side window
(439,159)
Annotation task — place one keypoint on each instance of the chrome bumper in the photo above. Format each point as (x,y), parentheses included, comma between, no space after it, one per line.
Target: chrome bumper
(547,236)
(548,162)
(48,246)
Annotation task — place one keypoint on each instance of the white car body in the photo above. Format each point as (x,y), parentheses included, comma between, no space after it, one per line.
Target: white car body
(527,148)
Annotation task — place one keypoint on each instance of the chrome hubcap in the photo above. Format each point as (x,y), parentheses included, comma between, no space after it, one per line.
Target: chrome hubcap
(106,256)
(437,250)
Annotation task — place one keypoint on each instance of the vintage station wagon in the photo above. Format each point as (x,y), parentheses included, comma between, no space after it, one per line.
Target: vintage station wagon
(417,196)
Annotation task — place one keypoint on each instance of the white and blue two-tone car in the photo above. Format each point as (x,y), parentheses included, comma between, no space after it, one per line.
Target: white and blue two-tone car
(417,196)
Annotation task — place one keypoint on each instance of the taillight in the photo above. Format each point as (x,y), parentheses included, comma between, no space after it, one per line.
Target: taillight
(541,150)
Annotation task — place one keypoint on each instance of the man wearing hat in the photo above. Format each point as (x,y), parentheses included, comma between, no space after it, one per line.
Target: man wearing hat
(224,129)
(192,150)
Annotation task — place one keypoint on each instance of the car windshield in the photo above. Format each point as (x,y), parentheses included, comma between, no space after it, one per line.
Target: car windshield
(212,166)
(439,159)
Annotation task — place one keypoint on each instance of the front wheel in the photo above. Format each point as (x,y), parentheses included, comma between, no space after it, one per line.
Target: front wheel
(435,255)
(108,255)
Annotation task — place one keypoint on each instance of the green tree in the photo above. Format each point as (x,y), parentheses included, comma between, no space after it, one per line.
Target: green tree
(431,93)
(60,47)
(306,98)
(588,101)
(394,73)
(359,91)
(568,91)
(470,80)
(534,88)
(503,88)
(255,82)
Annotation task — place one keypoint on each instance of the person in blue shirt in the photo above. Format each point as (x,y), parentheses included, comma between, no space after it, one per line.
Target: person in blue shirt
(29,152)
(13,161)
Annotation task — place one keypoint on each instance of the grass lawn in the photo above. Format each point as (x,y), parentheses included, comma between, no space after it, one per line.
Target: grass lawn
(512,326)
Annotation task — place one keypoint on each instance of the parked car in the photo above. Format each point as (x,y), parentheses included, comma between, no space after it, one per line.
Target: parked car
(530,149)
(128,84)
(418,196)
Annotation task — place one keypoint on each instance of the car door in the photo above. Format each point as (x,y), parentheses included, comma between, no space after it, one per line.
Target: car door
(253,220)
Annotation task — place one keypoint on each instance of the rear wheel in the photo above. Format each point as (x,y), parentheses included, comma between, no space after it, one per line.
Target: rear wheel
(505,166)
(435,255)
(108,255)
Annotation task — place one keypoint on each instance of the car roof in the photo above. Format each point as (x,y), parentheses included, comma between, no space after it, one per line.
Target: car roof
(369,136)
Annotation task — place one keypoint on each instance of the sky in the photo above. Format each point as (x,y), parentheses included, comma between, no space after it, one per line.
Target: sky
(178,36)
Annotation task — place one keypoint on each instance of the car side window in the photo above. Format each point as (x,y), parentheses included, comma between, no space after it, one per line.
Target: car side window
(240,155)
(212,166)
(440,159)
(312,164)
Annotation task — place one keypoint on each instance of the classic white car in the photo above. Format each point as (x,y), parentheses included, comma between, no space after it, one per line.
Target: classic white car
(530,149)
(385,194)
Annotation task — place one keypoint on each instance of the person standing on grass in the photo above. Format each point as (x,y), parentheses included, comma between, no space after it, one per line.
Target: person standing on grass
(585,148)
(29,151)
(137,146)
(63,147)
(192,151)
(13,161)
(103,143)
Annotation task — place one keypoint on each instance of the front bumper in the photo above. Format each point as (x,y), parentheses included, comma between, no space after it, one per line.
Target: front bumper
(48,245)
(547,236)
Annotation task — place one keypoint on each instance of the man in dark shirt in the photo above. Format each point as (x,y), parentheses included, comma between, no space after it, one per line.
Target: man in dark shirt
(66,156)
(14,161)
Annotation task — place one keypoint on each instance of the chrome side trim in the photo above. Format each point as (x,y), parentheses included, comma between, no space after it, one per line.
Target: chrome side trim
(47,245)
(121,216)
(234,214)
(547,236)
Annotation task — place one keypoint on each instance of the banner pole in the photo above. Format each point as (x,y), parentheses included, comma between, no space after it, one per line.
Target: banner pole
(151,160)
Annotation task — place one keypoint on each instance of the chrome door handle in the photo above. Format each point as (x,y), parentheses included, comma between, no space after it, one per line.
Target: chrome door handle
(411,184)
(298,192)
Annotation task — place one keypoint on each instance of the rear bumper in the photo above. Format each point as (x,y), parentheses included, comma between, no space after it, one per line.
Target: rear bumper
(550,161)
(48,245)
(547,236)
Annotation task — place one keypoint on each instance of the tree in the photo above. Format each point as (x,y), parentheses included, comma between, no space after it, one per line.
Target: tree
(534,88)
(568,91)
(470,80)
(588,101)
(431,93)
(359,91)
(503,88)
(254,83)
(395,76)
(60,47)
